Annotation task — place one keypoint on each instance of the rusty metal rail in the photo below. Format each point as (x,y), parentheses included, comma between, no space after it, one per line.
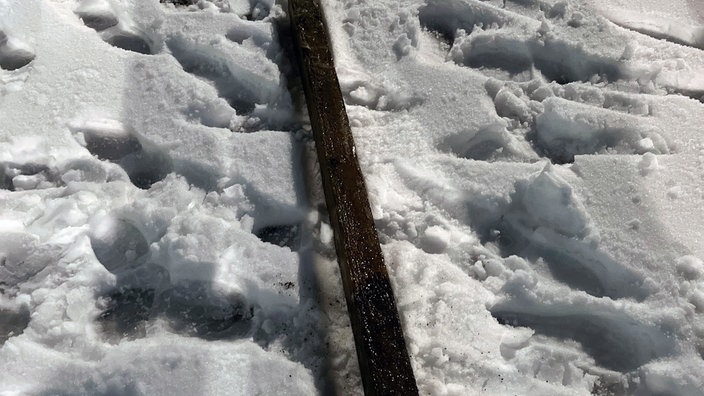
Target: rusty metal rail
(381,348)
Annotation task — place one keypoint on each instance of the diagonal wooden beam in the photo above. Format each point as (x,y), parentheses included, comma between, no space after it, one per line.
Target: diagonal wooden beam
(381,348)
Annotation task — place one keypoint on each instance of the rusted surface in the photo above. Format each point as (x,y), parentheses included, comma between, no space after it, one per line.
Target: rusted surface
(381,348)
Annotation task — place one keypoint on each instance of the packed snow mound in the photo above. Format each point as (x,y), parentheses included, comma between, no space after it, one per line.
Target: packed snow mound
(549,202)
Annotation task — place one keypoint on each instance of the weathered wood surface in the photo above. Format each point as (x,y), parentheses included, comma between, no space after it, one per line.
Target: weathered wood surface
(381,348)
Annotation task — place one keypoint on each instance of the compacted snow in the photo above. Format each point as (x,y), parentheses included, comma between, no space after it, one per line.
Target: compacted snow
(535,170)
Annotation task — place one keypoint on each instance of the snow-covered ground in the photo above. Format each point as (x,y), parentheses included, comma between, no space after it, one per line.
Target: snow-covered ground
(535,170)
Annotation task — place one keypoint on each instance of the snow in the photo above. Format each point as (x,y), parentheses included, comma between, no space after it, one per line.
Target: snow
(534,170)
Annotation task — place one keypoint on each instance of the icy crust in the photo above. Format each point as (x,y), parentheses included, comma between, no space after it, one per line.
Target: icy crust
(514,275)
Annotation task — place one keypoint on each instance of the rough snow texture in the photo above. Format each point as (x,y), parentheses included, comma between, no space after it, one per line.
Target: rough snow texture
(513,276)
(147,244)
(534,170)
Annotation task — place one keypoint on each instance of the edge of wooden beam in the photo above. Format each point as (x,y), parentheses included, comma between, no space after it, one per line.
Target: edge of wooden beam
(381,347)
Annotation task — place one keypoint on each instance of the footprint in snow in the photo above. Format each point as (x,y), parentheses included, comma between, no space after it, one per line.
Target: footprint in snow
(500,51)
(559,122)
(613,338)
(118,244)
(119,32)
(281,235)
(14,54)
(250,10)
(145,293)
(190,308)
(12,323)
(662,29)
(247,78)
(109,140)
(23,257)
(546,221)
(29,176)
